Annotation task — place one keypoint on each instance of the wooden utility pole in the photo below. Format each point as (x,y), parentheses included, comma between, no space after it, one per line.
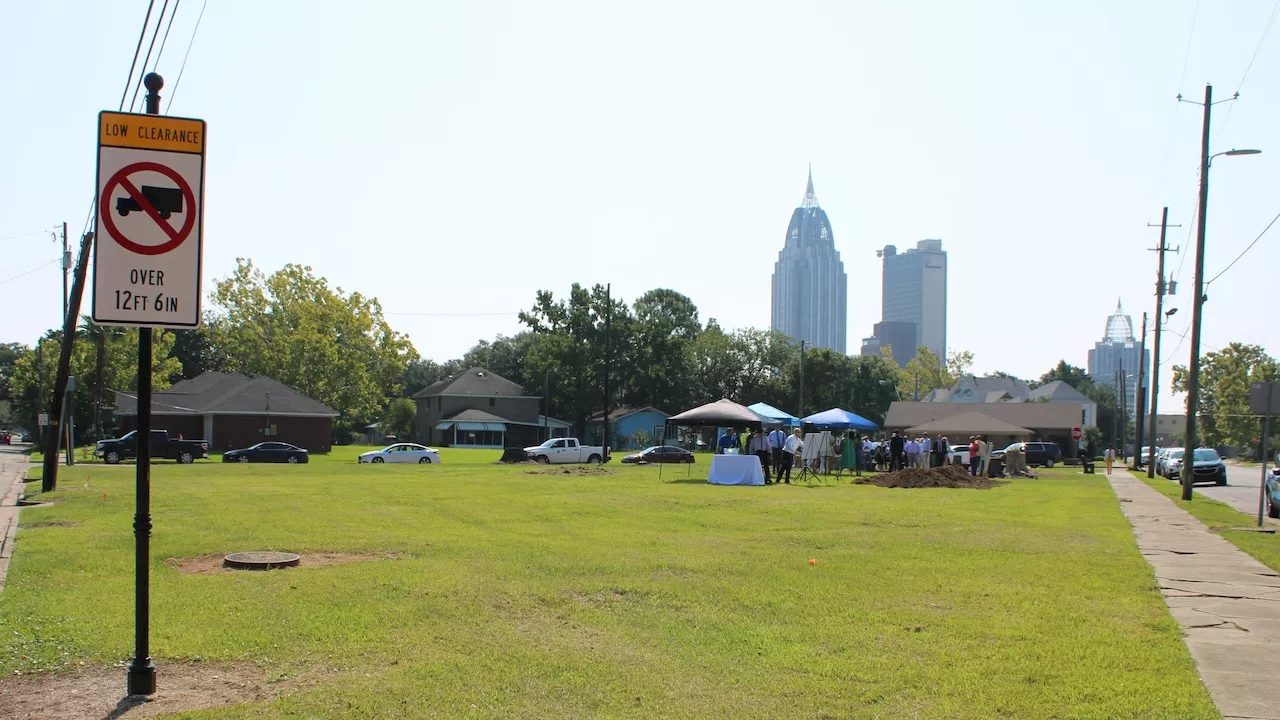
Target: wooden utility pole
(49,480)
(1161,291)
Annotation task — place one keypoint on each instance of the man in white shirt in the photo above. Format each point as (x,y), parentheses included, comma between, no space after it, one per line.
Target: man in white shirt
(777,438)
(791,453)
(913,453)
(758,445)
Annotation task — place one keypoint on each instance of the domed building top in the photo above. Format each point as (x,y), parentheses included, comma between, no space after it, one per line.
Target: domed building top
(1119,326)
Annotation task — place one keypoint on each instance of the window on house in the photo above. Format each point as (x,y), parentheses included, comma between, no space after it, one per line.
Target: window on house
(1161,422)
(493,401)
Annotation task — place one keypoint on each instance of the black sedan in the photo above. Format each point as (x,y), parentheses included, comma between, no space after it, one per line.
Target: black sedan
(267,452)
(660,454)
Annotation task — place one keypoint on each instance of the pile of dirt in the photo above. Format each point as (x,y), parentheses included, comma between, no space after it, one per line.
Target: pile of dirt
(948,476)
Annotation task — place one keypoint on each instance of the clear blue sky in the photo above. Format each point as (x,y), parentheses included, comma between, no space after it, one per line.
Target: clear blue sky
(454,157)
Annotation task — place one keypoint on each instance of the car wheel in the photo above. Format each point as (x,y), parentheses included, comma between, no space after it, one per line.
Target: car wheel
(1272,510)
(594,460)
(378,460)
(242,459)
(1048,463)
(424,461)
(1222,481)
(186,458)
(112,458)
(293,460)
(543,459)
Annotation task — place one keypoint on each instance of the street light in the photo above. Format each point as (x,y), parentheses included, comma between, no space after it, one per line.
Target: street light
(1197,300)
(1170,312)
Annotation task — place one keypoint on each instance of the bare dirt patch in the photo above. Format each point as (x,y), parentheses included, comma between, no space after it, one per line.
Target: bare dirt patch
(212,564)
(947,476)
(575,470)
(46,523)
(98,692)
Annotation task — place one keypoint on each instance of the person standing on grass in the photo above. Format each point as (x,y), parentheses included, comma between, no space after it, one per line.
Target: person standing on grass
(973,455)
(758,445)
(1110,457)
(777,438)
(791,453)
(897,451)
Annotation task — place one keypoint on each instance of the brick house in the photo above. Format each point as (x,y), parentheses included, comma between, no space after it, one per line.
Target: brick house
(478,408)
(230,410)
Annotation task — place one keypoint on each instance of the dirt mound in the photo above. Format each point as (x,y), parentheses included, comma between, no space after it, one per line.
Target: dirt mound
(948,476)
(573,470)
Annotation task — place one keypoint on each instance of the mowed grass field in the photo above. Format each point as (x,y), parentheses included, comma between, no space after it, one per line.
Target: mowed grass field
(526,592)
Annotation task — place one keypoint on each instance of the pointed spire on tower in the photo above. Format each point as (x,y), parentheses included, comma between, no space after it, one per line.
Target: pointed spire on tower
(810,199)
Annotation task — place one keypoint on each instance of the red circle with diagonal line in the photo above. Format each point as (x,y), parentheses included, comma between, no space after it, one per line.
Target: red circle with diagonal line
(121,179)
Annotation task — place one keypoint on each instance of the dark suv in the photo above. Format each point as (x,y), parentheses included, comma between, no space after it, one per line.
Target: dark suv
(1038,453)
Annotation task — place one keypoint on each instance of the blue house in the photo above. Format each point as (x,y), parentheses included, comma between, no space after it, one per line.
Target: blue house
(631,428)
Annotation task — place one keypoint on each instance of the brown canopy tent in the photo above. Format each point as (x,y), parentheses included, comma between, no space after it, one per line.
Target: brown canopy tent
(970,423)
(723,413)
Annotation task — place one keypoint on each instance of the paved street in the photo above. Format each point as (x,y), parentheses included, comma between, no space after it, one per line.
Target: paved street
(1241,490)
(13,468)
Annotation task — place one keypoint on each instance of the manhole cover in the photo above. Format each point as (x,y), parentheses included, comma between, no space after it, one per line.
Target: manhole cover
(260,560)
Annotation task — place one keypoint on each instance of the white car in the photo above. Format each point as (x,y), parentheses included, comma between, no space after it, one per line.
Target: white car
(959,455)
(402,453)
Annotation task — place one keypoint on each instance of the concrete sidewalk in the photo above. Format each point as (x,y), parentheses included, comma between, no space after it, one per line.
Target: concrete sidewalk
(1227,603)
(13,470)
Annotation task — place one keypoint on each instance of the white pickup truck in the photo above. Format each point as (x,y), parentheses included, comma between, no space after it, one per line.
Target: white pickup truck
(566,450)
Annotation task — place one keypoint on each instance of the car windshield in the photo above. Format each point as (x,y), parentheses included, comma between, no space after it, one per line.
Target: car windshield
(1206,455)
(1176,454)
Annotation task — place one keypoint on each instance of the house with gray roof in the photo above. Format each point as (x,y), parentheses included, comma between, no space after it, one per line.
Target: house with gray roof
(230,410)
(972,389)
(1060,392)
(479,408)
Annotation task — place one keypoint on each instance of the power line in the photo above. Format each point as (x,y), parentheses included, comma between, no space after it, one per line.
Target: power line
(190,42)
(150,47)
(484,314)
(38,267)
(1247,249)
(167,28)
(1173,121)
(1261,41)
(129,80)
(28,234)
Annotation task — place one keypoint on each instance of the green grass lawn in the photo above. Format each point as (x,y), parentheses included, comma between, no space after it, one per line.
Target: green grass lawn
(1222,518)
(520,593)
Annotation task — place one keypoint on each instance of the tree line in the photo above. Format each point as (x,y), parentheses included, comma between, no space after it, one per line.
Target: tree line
(338,348)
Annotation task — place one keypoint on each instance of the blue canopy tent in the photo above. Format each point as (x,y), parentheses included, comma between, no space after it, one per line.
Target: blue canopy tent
(774,413)
(837,419)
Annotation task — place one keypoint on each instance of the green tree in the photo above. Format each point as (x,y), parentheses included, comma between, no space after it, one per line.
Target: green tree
(196,351)
(420,372)
(666,327)
(1074,376)
(923,374)
(1225,376)
(959,363)
(291,326)
(398,418)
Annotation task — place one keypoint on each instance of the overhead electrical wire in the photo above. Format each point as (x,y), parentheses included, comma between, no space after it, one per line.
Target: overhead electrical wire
(167,28)
(142,34)
(152,46)
(1266,30)
(38,267)
(181,69)
(1247,249)
(27,234)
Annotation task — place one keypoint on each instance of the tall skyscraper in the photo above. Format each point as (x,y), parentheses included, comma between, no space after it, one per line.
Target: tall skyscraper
(809,283)
(914,290)
(1118,353)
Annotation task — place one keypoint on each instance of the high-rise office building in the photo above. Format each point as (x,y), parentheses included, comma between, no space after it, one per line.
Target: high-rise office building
(899,337)
(914,290)
(1117,354)
(809,283)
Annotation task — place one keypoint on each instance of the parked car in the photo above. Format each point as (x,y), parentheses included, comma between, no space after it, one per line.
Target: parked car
(566,450)
(1141,460)
(1273,490)
(660,454)
(6,437)
(267,452)
(401,453)
(1038,453)
(959,455)
(28,437)
(162,447)
(1207,466)
(1171,465)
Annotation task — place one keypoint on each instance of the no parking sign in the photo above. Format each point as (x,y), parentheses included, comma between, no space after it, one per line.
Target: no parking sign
(150,198)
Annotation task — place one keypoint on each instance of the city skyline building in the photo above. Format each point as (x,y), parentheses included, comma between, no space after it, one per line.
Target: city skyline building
(913,291)
(1120,353)
(899,337)
(810,287)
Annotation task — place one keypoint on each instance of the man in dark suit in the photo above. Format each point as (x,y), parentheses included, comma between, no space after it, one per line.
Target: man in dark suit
(896,452)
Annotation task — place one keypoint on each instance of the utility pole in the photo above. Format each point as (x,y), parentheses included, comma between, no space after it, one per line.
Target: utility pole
(608,316)
(66,267)
(546,404)
(1139,400)
(40,389)
(1161,291)
(800,401)
(1122,393)
(1197,301)
(49,481)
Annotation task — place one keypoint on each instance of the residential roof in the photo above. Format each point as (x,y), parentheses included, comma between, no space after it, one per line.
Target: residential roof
(970,423)
(1059,392)
(216,393)
(990,384)
(619,413)
(474,415)
(1036,416)
(476,382)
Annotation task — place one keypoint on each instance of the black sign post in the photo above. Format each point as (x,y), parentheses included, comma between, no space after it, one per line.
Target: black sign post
(142,672)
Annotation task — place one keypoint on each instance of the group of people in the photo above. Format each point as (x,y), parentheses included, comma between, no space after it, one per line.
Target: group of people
(923,452)
(777,450)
